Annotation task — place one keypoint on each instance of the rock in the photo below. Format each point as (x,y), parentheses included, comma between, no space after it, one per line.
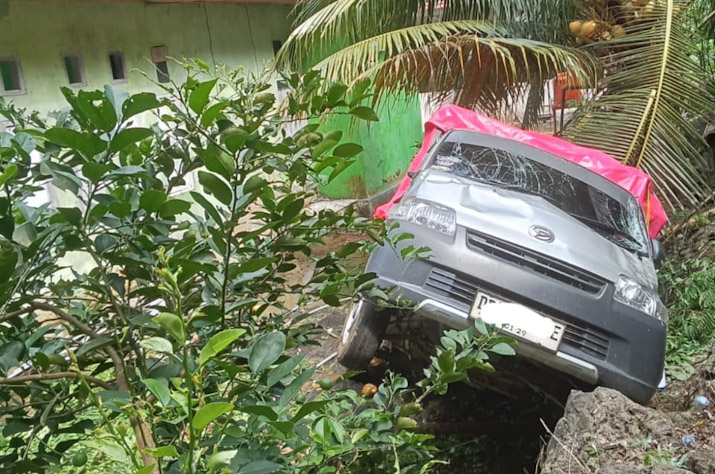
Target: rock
(700,462)
(606,424)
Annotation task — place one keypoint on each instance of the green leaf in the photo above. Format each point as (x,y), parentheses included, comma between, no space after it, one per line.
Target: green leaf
(253,265)
(8,260)
(164,451)
(117,97)
(173,325)
(10,171)
(25,235)
(294,387)
(94,171)
(266,350)
(199,97)
(480,326)
(152,200)
(283,370)
(502,348)
(446,360)
(219,342)
(129,136)
(104,242)
(208,207)
(120,209)
(234,138)
(157,344)
(214,185)
(134,171)
(309,408)
(211,114)
(93,344)
(254,183)
(365,113)
(323,146)
(10,354)
(173,207)
(146,469)
(336,92)
(347,150)
(208,413)
(160,391)
(72,139)
(260,410)
(7,227)
(218,161)
(72,214)
(221,459)
(139,103)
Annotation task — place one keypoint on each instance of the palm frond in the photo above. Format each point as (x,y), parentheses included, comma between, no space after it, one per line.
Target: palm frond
(469,59)
(641,114)
(324,26)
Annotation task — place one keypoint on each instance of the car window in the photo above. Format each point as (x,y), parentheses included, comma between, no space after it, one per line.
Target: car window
(620,222)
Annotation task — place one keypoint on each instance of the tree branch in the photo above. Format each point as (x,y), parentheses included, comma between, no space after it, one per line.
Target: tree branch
(55,376)
(14,314)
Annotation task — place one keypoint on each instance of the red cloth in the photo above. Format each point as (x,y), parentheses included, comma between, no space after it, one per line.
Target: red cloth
(451,117)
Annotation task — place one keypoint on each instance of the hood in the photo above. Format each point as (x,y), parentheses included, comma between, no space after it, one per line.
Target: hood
(508,215)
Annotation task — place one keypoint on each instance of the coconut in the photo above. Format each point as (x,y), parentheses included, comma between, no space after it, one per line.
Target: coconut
(575,27)
(588,28)
(618,31)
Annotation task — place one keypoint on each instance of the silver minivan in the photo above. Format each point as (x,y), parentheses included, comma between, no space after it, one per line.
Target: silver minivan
(551,253)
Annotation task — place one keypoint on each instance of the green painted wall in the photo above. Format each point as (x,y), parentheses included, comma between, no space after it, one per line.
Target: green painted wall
(40,32)
(389,146)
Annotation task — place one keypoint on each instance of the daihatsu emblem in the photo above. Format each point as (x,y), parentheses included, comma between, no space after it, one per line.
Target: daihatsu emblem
(541,233)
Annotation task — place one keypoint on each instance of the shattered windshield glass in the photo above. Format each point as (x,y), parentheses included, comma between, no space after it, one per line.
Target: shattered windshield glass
(621,223)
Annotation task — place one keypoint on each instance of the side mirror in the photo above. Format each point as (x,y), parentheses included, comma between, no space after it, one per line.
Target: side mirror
(658,252)
(412,174)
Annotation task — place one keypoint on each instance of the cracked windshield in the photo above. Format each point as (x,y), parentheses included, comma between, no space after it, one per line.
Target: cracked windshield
(619,222)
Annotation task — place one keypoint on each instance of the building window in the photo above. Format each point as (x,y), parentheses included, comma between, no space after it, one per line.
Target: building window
(160,56)
(277,46)
(11,80)
(117,65)
(74,69)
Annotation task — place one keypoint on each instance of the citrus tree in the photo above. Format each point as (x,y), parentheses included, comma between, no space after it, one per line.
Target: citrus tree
(146,330)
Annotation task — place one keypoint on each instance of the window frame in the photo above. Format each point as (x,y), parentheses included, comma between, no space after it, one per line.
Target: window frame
(21,77)
(83,74)
(124,66)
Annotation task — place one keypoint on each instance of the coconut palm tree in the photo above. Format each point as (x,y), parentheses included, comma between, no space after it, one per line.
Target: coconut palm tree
(484,54)
(655,85)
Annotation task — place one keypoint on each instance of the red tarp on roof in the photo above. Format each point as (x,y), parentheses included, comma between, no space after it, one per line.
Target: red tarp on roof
(451,117)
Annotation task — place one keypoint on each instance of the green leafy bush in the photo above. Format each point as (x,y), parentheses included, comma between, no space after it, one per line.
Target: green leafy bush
(146,330)
(688,290)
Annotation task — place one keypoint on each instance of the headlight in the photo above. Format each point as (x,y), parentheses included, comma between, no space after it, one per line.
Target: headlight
(632,294)
(428,214)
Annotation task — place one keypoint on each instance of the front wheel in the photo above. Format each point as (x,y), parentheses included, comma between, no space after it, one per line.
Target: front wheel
(362,335)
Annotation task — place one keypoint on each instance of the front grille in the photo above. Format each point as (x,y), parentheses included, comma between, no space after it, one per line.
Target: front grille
(589,340)
(464,289)
(451,285)
(535,261)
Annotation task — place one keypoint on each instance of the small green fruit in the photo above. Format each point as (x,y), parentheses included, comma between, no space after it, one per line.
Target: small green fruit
(410,409)
(325,384)
(405,423)
(79,460)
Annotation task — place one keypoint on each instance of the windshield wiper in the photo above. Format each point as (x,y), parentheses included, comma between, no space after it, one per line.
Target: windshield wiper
(612,231)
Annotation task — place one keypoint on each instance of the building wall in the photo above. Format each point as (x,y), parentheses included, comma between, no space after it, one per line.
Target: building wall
(39,33)
(389,146)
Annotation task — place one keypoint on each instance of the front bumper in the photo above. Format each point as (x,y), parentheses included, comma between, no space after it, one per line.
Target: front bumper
(605,342)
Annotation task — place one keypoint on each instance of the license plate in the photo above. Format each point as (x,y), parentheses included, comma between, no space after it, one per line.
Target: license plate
(518,321)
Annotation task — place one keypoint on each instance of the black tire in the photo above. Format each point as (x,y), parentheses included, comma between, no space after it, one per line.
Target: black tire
(362,335)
